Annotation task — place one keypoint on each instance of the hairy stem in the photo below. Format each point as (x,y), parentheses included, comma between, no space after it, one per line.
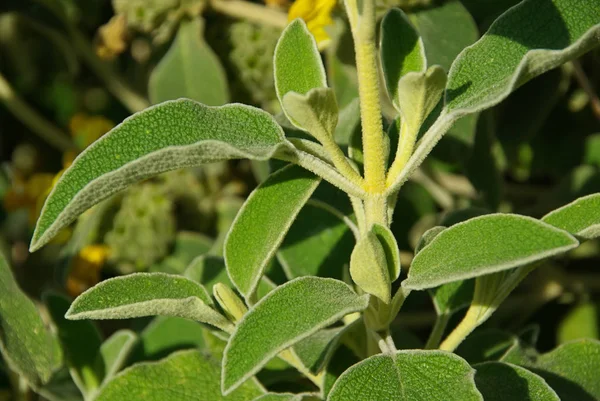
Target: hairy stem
(363,31)
(438,331)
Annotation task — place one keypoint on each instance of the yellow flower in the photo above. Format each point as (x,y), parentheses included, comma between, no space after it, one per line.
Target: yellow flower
(317,15)
(85,268)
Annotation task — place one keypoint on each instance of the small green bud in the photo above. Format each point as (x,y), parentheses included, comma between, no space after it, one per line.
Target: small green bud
(369,267)
(231,304)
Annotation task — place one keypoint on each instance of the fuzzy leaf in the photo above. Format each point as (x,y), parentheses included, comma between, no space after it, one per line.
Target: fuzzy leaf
(452,297)
(556,31)
(581,217)
(115,351)
(287,315)
(407,376)
(190,69)
(485,245)
(390,247)
(147,294)
(498,381)
(185,375)
(434,23)
(572,370)
(262,223)
(166,334)
(317,244)
(427,237)
(418,94)
(316,351)
(287,397)
(508,55)
(297,62)
(27,347)
(315,111)
(81,344)
(369,269)
(402,51)
(168,136)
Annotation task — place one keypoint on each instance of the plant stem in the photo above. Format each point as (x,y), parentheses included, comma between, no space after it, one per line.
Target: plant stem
(586,85)
(471,320)
(290,357)
(438,331)
(363,31)
(30,118)
(251,12)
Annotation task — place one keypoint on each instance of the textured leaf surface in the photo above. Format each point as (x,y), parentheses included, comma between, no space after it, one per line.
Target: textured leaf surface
(27,347)
(369,269)
(555,32)
(297,310)
(168,136)
(484,245)
(287,397)
(529,39)
(115,351)
(407,376)
(190,69)
(402,50)
(499,381)
(262,223)
(297,62)
(572,370)
(315,112)
(580,218)
(390,247)
(166,334)
(452,297)
(434,23)
(185,375)
(315,351)
(147,294)
(317,244)
(81,343)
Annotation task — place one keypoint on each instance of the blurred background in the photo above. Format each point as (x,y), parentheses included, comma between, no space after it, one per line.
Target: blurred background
(71,70)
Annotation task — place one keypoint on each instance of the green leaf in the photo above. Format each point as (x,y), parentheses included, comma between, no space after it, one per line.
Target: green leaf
(581,217)
(166,334)
(317,244)
(262,223)
(81,343)
(390,247)
(369,269)
(486,345)
(297,62)
(427,237)
(402,51)
(407,375)
(190,69)
(27,347)
(499,381)
(147,294)
(185,375)
(115,351)
(452,297)
(165,137)
(316,111)
(286,397)
(572,370)
(418,94)
(289,314)
(485,245)
(561,30)
(507,56)
(580,322)
(316,351)
(434,24)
